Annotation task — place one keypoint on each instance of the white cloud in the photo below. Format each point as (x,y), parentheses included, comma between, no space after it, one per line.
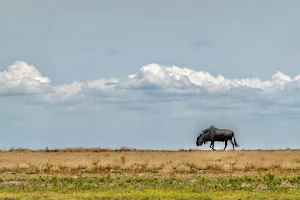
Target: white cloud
(155,83)
(76,90)
(154,76)
(21,78)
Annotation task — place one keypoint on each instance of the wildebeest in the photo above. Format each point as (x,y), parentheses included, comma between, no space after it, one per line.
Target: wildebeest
(215,134)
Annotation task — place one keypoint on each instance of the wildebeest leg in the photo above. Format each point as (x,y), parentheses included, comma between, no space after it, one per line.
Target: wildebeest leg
(225,144)
(231,143)
(212,145)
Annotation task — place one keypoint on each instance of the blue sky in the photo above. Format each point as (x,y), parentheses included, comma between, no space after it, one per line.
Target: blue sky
(148,74)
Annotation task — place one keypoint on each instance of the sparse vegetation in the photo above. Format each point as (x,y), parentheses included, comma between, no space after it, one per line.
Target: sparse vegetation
(61,187)
(132,174)
(94,160)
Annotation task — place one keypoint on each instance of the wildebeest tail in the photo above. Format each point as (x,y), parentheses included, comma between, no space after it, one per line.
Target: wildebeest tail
(235,143)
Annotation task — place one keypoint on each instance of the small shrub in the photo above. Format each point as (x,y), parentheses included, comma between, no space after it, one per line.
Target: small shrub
(95,166)
(213,167)
(123,160)
(33,169)
(190,165)
(249,167)
(269,177)
(193,170)
(47,167)
(84,171)
(232,165)
(295,180)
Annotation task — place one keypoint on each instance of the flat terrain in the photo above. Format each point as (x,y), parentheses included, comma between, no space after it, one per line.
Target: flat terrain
(134,174)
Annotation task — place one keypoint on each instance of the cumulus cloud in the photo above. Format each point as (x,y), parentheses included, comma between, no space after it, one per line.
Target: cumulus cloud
(77,90)
(21,78)
(155,84)
(166,78)
(156,77)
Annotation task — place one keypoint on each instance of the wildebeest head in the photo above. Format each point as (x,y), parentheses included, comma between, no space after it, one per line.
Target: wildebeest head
(199,140)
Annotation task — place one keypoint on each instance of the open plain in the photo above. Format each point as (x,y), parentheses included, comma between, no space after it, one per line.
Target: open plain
(94,173)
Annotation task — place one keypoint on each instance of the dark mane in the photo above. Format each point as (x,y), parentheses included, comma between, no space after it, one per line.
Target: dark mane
(208,129)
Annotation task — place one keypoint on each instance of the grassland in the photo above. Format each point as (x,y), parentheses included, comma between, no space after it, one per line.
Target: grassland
(135,174)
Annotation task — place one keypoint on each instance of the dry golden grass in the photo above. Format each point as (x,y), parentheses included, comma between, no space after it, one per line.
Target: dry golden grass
(132,162)
(140,174)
